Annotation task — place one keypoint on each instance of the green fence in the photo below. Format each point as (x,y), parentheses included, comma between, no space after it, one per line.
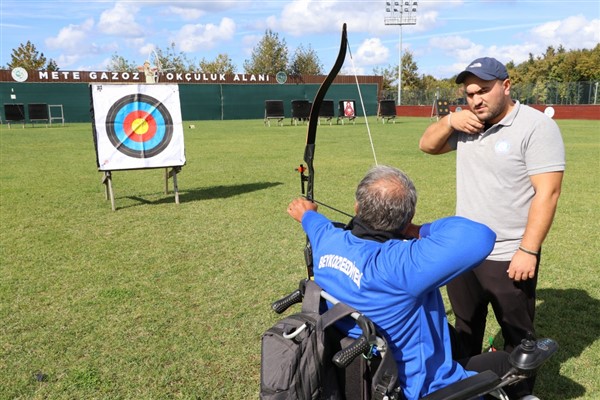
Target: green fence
(198,102)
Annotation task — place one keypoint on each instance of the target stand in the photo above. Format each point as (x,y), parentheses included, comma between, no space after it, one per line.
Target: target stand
(170,172)
(137,127)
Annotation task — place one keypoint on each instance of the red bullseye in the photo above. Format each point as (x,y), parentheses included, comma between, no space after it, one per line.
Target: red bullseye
(139,126)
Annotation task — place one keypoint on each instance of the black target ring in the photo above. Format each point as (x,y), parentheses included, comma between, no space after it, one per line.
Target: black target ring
(139,126)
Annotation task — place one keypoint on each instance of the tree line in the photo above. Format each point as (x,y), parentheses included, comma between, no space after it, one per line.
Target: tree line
(538,73)
(271,55)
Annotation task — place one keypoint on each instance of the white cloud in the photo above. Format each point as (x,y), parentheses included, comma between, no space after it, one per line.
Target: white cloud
(121,20)
(372,52)
(187,13)
(75,43)
(196,37)
(574,32)
(72,38)
(68,60)
(146,49)
(302,17)
(193,10)
(305,16)
(450,43)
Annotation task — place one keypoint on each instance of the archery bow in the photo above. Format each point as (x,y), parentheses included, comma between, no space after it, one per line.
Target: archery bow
(311,135)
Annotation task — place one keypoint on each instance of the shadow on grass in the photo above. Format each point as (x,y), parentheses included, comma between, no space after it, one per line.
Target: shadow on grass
(569,316)
(208,193)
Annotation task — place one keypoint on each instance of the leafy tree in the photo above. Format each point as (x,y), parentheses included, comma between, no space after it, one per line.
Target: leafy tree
(269,56)
(551,77)
(589,64)
(410,72)
(220,65)
(411,82)
(445,89)
(305,62)
(390,75)
(118,63)
(26,56)
(410,76)
(173,61)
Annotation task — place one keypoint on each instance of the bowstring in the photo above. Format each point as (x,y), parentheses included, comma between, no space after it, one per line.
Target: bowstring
(362,104)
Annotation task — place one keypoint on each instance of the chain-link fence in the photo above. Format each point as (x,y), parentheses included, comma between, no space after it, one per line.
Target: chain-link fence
(567,93)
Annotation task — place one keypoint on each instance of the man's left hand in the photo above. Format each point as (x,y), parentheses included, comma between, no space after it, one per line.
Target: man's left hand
(522,266)
(299,206)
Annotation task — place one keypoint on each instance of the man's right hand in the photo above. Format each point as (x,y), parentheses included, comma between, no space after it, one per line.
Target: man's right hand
(299,206)
(466,121)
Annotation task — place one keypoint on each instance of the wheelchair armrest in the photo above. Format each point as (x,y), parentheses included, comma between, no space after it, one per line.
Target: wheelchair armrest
(472,387)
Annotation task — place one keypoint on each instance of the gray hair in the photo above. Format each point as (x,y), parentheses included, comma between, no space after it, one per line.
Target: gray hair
(386,199)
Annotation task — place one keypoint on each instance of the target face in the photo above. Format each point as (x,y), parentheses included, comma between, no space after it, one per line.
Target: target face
(139,126)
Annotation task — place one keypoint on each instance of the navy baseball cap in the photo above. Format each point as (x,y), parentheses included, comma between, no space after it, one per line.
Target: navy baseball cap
(485,68)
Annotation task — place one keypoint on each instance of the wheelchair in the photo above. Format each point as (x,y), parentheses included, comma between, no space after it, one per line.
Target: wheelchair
(366,370)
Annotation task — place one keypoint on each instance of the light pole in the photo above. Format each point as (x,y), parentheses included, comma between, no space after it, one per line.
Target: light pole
(400,13)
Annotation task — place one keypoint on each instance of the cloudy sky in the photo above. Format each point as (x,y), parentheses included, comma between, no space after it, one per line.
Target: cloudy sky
(83,35)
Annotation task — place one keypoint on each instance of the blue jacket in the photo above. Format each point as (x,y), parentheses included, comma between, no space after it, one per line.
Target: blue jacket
(396,284)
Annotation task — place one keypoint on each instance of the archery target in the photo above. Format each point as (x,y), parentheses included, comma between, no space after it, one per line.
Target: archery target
(137,126)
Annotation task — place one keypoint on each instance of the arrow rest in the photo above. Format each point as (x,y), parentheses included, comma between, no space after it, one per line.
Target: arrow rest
(303,178)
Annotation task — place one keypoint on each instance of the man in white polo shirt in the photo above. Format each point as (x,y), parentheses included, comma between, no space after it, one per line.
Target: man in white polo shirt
(509,167)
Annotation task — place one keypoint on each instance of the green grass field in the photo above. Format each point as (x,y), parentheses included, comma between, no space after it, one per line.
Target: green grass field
(165,301)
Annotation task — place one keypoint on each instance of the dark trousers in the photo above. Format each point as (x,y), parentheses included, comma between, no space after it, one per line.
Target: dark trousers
(495,361)
(513,304)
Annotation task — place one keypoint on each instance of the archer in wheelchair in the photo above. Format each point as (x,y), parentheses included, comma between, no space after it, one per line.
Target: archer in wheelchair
(391,271)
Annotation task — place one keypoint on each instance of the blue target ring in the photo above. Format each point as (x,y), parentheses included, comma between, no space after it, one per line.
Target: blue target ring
(139,126)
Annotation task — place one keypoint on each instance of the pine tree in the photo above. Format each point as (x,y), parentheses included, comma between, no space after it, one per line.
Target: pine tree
(270,56)
(26,56)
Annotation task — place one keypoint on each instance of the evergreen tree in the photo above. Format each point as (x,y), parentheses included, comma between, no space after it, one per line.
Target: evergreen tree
(270,56)
(52,66)
(26,56)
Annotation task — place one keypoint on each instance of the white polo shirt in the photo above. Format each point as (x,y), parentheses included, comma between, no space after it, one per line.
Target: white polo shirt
(493,170)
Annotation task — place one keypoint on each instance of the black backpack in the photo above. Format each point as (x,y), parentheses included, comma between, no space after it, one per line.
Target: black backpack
(303,359)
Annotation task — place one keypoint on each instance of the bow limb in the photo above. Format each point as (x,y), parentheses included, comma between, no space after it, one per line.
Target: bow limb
(309,151)
(311,136)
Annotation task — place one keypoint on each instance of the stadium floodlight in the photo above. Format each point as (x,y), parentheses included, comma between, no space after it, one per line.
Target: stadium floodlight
(401,13)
